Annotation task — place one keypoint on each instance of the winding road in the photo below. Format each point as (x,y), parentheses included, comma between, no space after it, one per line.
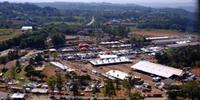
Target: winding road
(91,22)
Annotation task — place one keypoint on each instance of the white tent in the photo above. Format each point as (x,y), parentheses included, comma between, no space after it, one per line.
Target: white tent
(18,96)
(39,90)
(157,69)
(25,28)
(107,61)
(107,56)
(112,74)
(62,66)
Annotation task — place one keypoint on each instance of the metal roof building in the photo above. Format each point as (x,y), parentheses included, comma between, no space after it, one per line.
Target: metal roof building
(112,74)
(157,69)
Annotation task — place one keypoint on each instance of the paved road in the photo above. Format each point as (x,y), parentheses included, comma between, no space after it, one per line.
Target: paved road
(91,22)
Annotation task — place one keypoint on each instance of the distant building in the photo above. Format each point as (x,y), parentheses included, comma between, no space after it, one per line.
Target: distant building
(26,28)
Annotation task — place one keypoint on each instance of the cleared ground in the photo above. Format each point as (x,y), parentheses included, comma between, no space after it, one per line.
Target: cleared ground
(154,32)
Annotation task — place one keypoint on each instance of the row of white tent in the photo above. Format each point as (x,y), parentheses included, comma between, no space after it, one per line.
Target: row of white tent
(109,60)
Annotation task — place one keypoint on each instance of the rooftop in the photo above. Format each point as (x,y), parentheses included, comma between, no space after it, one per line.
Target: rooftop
(157,69)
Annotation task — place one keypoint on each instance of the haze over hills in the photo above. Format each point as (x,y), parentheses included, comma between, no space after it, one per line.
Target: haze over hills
(189,5)
(65,5)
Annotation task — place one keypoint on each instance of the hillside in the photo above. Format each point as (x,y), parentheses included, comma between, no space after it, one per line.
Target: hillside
(142,17)
(14,15)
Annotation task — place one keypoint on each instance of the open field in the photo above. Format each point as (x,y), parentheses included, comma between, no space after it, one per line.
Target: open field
(154,32)
(6,34)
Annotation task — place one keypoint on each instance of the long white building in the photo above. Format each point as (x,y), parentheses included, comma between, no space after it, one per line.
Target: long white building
(157,69)
(62,66)
(107,60)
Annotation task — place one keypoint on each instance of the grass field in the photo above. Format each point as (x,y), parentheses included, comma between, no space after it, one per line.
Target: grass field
(6,34)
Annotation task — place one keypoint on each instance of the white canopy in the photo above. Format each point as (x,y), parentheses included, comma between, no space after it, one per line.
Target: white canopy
(157,69)
(26,28)
(107,56)
(107,61)
(62,66)
(17,96)
(116,74)
(39,90)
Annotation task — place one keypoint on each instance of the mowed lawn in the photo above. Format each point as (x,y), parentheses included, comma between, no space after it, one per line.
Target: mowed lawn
(6,34)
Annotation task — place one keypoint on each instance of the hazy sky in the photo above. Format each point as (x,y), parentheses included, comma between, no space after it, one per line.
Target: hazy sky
(111,1)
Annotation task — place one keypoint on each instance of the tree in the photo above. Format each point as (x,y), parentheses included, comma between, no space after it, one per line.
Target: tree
(52,83)
(137,40)
(186,91)
(109,88)
(180,57)
(75,88)
(39,58)
(95,90)
(31,61)
(174,92)
(128,84)
(58,39)
(59,80)
(12,73)
(117,83)
(136,96)
(18,64)
(191,90)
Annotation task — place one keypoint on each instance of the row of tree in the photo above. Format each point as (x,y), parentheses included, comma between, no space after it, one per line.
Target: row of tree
(180,57)
(110,88)
(188,91)
(36,40)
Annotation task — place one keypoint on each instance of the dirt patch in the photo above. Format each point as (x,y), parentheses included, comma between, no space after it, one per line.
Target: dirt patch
(196,71)
(155,33)
(49,70)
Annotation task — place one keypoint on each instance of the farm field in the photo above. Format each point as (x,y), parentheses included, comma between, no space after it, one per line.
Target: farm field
(154,32)
(6,34)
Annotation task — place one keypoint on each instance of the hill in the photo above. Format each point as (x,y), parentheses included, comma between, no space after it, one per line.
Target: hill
(140,16)
(14,15)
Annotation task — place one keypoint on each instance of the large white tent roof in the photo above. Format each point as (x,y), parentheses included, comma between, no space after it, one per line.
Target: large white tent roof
(62,66)
(157,69)
(17,96)
(116,74)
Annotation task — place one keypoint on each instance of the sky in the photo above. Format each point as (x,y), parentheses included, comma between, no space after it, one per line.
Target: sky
(110,1)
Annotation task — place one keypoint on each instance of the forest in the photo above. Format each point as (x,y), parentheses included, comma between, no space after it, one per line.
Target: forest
(180,57)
